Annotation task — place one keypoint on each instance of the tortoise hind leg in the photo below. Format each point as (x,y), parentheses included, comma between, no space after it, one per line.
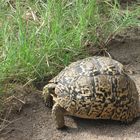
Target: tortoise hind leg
(47,91)
(58,116)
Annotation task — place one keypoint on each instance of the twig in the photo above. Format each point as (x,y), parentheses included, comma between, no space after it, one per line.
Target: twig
(6,125)
(4,120)
(11,129)
(19,100)
(108,53)
(13,97)
(30,81)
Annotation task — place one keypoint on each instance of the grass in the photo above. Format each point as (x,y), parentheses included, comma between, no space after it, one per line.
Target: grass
(38,38)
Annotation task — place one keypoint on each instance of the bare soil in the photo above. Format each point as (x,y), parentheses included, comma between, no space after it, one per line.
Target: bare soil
(34,122)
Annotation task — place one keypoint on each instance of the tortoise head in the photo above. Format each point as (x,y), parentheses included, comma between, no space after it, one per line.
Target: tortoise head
(48,90)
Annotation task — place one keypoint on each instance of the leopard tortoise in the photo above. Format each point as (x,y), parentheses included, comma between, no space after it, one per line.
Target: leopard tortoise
(94,88)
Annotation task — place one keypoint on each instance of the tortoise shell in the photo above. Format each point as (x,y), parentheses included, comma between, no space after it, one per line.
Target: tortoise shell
(96,88)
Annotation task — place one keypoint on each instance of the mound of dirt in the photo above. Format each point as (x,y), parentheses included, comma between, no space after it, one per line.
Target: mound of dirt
(34,122)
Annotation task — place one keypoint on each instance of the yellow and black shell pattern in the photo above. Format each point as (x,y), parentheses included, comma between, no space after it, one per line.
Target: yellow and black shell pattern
(97,88)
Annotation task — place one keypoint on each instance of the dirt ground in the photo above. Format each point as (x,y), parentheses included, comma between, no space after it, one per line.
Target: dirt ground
(34,122)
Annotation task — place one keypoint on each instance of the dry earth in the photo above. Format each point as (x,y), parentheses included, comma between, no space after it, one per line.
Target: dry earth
(34,122)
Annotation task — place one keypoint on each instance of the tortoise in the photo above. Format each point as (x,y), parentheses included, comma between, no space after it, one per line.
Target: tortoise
(93,88)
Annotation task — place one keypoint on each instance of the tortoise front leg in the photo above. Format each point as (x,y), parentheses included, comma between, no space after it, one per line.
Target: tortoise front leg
(58,115)
(47,91)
